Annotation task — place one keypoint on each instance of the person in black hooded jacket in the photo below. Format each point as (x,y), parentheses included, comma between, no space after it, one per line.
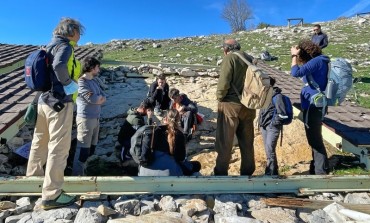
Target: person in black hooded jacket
(270,127)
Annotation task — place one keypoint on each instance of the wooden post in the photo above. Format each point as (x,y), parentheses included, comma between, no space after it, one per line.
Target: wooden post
(299,23)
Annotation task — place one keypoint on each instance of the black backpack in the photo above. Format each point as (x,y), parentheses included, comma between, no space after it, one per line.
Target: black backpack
(142,145)
(126,132)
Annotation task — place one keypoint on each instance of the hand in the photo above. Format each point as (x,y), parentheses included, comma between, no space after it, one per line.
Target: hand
(159,87)
(294,50)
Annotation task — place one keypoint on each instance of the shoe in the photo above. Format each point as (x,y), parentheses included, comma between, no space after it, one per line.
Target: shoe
(62,200)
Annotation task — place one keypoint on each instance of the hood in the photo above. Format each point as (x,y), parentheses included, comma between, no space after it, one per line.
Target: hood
(324,58)
(131,111)
(59,39)
(277,90)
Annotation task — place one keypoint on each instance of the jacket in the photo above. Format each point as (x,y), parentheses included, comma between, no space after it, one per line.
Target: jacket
(136,119)
(155,93)
(266,115)
(65,67)
(132,123)
(320,39)
(164,163)
(318,67)
(187,103)
(233,70)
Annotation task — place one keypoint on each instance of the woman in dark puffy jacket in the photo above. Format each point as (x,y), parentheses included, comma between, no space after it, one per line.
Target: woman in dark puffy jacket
(169,150)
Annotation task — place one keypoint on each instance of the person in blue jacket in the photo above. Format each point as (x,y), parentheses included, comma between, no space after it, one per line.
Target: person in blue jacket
(307,58)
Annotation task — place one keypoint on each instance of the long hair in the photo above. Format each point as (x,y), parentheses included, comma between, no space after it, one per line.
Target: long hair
(173,118)
(308,50)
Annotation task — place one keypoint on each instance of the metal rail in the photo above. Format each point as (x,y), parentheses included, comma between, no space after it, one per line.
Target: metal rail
(302,185)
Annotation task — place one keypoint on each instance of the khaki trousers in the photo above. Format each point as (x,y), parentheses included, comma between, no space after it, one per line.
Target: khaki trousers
(50,145)
(234,118)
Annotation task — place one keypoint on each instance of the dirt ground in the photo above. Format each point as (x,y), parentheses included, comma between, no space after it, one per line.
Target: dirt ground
(294,155)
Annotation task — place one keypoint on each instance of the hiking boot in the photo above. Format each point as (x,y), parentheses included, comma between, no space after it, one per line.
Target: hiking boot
(61,201)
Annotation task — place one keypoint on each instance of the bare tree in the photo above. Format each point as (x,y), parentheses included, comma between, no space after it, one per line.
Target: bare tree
(236,12)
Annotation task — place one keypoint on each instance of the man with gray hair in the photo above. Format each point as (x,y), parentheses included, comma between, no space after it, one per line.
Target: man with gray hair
(233,117)
(52,135)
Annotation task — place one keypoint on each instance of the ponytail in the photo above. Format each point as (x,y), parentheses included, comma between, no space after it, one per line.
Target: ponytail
(172,125)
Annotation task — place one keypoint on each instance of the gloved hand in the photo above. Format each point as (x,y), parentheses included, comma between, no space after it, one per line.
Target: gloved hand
(70,88)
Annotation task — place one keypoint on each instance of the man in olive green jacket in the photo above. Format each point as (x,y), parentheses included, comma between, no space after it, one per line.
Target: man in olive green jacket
(233,117)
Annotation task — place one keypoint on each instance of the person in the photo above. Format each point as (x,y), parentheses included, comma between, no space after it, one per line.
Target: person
(89,100)
(187,109)
(169,150)
(52,135)
(158,94)
(270,127)
(233,117)
(134,120)
(319,38)
(312,61)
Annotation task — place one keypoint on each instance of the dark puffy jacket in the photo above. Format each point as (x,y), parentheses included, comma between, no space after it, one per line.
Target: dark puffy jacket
(266,115)
(155,93)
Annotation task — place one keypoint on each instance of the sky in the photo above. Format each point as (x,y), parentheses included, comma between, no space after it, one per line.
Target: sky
(33,21)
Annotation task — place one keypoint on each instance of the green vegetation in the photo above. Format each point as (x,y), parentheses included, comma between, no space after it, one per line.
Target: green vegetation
(347,39)
(351,171)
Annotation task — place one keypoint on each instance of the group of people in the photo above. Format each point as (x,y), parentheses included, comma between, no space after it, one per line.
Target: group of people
(52,135)
(179,116)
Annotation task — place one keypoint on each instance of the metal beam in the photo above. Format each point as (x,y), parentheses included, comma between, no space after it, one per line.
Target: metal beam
(303,184)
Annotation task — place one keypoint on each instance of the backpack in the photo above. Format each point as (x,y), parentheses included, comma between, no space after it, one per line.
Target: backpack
(265,55)
(286,118)
(36,71)
(339,81)
(257,91)
(142,145)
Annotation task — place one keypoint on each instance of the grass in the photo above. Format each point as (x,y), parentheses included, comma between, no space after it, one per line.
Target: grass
(347,39)
(351,171)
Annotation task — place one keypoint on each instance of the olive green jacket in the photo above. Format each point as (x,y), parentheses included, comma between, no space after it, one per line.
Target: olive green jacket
(233,71)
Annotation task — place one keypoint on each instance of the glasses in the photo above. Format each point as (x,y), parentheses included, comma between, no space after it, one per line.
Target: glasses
(315,30)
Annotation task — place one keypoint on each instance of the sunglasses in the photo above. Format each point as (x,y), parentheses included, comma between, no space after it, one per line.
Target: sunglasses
(315,29)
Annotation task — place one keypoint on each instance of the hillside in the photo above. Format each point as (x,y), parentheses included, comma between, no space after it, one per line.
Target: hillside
(348,38)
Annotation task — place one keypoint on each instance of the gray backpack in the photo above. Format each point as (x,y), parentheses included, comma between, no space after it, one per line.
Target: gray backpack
(142,145)
(339,81)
